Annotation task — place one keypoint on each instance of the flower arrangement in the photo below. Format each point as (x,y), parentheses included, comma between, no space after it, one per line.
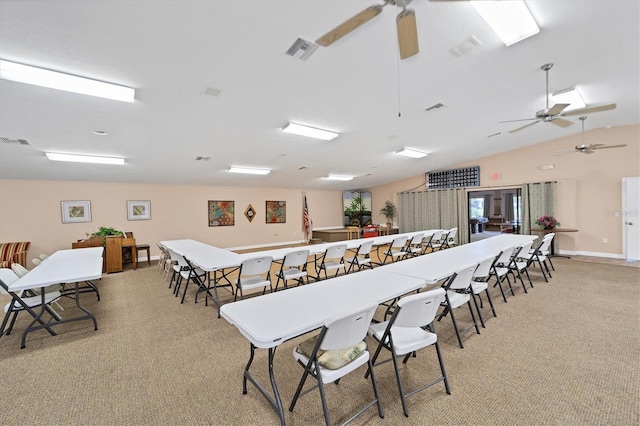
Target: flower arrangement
(547,222)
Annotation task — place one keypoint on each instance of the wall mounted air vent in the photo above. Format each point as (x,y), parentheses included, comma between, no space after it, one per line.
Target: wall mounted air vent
(15,141)
(302,49)
(434,107)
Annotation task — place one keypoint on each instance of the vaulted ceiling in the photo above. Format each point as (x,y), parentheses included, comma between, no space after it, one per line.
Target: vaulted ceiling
(179,54)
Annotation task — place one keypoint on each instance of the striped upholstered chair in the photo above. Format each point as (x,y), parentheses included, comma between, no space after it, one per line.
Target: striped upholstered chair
(13,253)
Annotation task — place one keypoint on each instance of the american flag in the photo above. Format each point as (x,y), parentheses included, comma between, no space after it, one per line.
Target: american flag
(306,221)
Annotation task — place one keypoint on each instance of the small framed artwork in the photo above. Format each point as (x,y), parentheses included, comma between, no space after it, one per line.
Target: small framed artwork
(76,211)
(221,213)
(250,213)
(138,210)
(276,211)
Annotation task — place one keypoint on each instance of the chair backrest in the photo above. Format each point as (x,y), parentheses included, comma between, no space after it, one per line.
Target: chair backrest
(365,248)
(179,259)
(335,252)
(399,242)
(484,267)
(36,261)
(544,244)
(7,277)
(347,329)
(461,280)
(128,234)
(256,265)
(452,234)
(19,270)
(436,236)
(419,309)
(505,256)
(524,249)
(296,258)
(43,256)
(417,239)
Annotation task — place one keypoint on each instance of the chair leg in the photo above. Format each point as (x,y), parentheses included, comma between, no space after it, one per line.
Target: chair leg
(455,327)
(473,317)
(442,370)
(375,391)
(491,303)
(475,302)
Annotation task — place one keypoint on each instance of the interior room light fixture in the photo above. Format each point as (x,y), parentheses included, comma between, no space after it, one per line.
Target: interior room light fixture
(311,132)
(510,20)
(74,158)
(60,81)
(412,153)
(569,96)
(339,177)
(249,171)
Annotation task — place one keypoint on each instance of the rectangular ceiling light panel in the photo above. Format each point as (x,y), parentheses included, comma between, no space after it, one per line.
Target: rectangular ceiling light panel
(249,171)
(569,96)
(510,20)
(69,83)
(311,132)
(339,177)
(84,159)
(412,153)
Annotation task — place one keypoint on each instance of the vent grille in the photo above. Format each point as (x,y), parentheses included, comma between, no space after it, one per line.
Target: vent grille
(15,141)
(434,107)
(203,158)
(302,49)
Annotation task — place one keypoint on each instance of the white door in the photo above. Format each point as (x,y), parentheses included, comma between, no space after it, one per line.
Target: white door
(631,217)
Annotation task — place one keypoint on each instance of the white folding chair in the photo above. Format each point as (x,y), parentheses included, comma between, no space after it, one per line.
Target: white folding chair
(20,303)
(450,241)
(361,258)
(293,267)
(397,249)
(540,255)
(501,271)
(43,256)
(457,294)
(480,283)
(36,261)
(254,273)
(338,350)
(520,264)
(414,248)
(332,260)
(436,241)
(409,330)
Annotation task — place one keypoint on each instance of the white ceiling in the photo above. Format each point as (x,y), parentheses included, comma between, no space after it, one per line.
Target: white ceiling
(171,51)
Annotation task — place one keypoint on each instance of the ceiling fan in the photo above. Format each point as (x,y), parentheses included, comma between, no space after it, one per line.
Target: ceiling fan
(553,114)
(590,147)
(405,22)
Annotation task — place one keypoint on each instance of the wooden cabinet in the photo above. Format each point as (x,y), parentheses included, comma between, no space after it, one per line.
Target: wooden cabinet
(113,258)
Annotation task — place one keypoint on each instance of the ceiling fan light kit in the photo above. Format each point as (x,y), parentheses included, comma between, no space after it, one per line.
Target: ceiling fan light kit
(588,148)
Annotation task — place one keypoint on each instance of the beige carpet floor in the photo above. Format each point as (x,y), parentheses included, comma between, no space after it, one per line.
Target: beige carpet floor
(566,353)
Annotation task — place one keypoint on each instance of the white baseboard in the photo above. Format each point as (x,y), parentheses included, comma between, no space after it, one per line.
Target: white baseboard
(328,228)
(591,253)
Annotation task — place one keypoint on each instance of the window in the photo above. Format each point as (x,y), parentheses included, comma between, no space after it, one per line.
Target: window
(476,207)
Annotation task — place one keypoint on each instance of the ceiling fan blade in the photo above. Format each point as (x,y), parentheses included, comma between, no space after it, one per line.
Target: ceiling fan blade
(590,110)
(557,109)
(349,25)
(523,127)
(607,146)
(520,119)
(561,122)
(407,33)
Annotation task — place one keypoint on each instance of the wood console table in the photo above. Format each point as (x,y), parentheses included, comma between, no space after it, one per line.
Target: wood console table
(113,251)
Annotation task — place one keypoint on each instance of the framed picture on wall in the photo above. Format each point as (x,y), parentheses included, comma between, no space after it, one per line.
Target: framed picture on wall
(276,211)
(76,211)
(221,213)
(138,210)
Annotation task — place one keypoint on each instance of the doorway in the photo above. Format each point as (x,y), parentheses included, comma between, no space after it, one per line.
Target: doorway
(631,218)
(494,212)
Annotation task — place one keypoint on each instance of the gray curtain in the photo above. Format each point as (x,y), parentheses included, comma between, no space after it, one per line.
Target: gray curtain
(437,209)
(508,207)
(537,199)
(487,206)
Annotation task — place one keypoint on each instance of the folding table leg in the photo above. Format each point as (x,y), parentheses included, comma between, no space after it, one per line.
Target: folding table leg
(275,401)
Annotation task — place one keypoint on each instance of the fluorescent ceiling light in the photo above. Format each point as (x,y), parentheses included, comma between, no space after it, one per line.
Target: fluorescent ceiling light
(249,171)
(311,132)
(339,177)
(69,83)
(84,159)
(412,153)
(510,20)
(569,96)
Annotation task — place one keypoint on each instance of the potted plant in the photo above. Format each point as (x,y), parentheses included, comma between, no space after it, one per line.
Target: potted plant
(389,211)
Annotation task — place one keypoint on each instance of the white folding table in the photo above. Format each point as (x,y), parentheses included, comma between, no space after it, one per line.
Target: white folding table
(268,321)
(63,266)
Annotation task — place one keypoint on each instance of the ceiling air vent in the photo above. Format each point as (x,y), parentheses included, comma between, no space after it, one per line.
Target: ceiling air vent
(302,49)
(203,158)
(15,141)
(434,107)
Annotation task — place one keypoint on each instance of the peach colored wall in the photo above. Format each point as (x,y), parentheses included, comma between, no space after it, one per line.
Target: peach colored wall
(589,186)
(177,211)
